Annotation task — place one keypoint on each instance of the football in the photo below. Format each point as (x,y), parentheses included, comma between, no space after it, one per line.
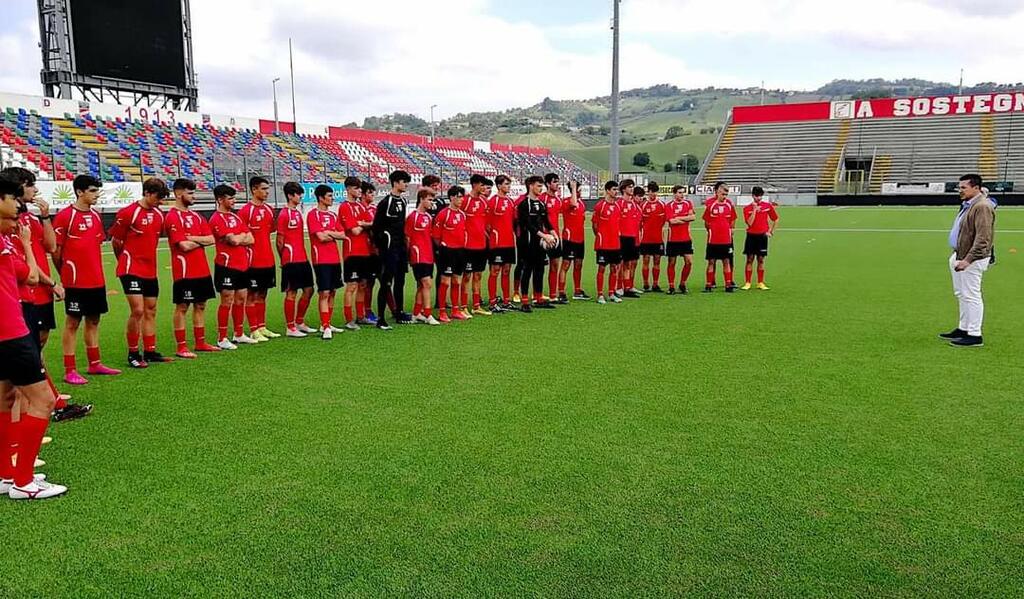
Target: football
(549,244)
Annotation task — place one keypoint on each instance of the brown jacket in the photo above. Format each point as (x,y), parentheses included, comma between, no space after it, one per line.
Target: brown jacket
(977,227)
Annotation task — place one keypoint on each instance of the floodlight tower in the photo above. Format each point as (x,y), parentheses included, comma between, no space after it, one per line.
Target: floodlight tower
(613,151)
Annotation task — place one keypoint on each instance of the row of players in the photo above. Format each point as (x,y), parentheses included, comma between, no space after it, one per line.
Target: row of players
(461,232)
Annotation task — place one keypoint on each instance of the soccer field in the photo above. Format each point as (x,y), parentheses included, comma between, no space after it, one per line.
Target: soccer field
(815,439)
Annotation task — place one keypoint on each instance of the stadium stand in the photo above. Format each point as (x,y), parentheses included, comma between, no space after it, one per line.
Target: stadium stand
(871,146)
(58,146)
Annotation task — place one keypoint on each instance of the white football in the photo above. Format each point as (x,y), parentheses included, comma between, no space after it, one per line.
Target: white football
(549,244)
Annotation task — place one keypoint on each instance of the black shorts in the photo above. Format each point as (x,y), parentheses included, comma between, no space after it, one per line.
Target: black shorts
(674,249)
(503,256)
(45,319)
(296,276)
(755,245)
(554,253)
(573,250)
(133,285)
(423,271)
(476,260)
(85,302)
(20,362)
(451,262)
(718,251)
(28,312)
(608,257)
(357,268)
(372,267)
(652,249)
(229,279)
(396,262)
(193,291)
(328,276)
(261,279)
(630,251)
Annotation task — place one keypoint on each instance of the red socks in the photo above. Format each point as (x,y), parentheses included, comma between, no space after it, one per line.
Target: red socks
(252,312)
(577,276)
(289,312)
(456,296)
(657,273)
(600,281)
(30,431)
(476,299)
(687,268)
(506,279)
(553,282)
(748,273)
(200,335)
(300,316)
(492,285)
(69,363)
(6,445)
(711,278)
(647,275)
(417,308)
(133,341)
(179,338)
(149,342)
(360,308)
(325,319)
(442,293)
(93,354)
(223,313)
(672,277)
(348,313)
(238,317)
(760,274)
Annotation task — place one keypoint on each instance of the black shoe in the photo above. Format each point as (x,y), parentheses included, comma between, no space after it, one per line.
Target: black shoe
(708,289)
(525,308)
(682,289)
(581,296)
(403,318)
(71,412)
(730,288)
(135,360)
(671,291)
(647,288)
(954,334)
(655,289)
(544,305)
(155,357)
(968,341)
(509,307)
(562,299)
(383,325)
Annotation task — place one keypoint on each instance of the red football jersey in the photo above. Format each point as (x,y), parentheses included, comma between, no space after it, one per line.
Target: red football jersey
(719,217)
(652,227)
(318,221)
(573,220)
(42,294)
(554,206)
(475,210)
(260,220)
(371,213)
(419,232)
(630,215)
(676,209)
(606,217)
(450,228)
(767,212)
(349,215)
(178,226)
(501,218)
(139,228)
(26,293)
(291,230)
(13,270)
(79,239)
(231,256)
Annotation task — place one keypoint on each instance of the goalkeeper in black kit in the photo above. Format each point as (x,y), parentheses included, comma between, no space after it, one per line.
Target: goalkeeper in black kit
(535,239)
(389,237)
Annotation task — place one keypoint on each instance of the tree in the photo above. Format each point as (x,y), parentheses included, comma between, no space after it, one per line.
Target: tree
(674,131)
(641,159)
(688,164)
(669,167)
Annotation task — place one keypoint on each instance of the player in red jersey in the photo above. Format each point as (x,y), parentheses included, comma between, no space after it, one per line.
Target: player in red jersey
(574,216)
(719,219)
(230,267)
(419,232)
(21,370)
(652,237)
(259,217)
(761,219)
(607,242)
(629,230)
(474,206)
(356,224)
(40,316)
(324,234)
(188,236)
(501,218)
(373,265)
(296,273)
(450,232)
(679,214)
(553,204)
(79,234)
(135,235)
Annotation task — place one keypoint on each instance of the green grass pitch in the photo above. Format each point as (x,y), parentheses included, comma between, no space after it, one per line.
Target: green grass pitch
(816,439)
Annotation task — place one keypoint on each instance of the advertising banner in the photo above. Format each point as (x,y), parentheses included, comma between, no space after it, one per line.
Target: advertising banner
(113,196)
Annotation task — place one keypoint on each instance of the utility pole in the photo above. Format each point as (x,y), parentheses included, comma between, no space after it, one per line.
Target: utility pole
(762,92)
(613,157)
(291,67)
(432,107)
(961,81)
(277,123)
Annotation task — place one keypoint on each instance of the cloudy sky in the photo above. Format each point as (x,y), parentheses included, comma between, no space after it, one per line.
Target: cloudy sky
(356,59)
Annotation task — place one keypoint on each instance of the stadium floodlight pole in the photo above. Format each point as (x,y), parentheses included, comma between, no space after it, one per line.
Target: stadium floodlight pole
(277,123)
(613,150)
(291,69)
(432,107)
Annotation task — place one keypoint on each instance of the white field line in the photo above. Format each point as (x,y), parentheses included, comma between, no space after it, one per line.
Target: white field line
(852,230)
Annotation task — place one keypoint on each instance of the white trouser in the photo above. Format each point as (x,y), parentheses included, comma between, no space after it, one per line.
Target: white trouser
(967,289)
